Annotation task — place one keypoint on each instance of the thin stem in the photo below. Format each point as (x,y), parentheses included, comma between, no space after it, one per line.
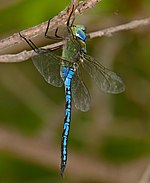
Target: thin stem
(57,21)
(25,55)
(131,25)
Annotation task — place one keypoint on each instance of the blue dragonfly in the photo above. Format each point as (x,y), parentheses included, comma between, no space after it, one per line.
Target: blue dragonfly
(65,70)
(58,72)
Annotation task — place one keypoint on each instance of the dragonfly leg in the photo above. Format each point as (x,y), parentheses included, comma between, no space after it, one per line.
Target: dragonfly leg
(30,43)
(56,31)
(56,37)
(69,18)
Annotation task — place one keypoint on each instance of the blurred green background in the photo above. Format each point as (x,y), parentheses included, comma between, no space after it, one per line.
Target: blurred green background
(108,144)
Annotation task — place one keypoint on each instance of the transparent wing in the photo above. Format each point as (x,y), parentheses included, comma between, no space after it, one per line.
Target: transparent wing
(80,93)
(48,64)
(105,79)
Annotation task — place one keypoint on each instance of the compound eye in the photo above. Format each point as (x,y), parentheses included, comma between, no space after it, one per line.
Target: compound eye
(81,34)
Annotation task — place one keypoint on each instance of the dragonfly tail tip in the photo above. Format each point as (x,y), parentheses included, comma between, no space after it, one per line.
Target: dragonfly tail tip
(62,171)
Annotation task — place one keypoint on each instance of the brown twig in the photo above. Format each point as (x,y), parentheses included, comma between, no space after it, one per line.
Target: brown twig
(58,20)
(25,55)
(131,25)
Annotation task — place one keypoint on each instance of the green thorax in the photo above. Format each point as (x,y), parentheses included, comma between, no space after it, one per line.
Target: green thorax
(74,43)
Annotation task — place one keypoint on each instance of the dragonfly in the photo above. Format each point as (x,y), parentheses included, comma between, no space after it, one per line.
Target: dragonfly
(66,70)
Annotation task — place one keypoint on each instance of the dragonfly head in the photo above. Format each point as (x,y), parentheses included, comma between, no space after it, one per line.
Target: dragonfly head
(79,31)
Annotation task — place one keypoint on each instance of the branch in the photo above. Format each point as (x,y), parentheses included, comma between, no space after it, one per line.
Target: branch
(25,55)
(131,25)
(57,21)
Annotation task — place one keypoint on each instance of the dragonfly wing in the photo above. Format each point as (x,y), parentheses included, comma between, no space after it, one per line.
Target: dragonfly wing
(106,80)
(48,64)
(80,93)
